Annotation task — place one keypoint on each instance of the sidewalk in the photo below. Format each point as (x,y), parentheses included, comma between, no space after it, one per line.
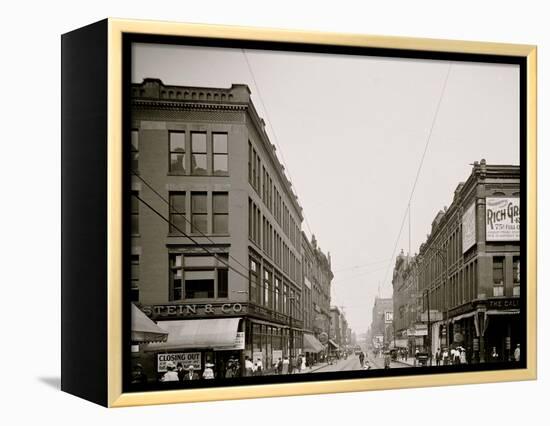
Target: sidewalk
(409,361)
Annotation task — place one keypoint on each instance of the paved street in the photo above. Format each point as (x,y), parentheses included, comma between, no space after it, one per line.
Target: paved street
(352,363)
(377,362)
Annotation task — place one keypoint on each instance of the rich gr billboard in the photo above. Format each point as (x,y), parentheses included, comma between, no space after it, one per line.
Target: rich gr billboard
(502,219)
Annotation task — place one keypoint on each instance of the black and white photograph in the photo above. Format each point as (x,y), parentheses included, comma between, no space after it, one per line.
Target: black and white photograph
(297,215)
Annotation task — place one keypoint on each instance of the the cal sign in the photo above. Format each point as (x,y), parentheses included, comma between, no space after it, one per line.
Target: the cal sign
(502,219)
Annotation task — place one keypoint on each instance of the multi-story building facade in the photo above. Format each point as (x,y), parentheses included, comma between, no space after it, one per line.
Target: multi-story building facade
(336,319)
(216,228)
(469,266)
(409,331)
(381,329)
(316,283)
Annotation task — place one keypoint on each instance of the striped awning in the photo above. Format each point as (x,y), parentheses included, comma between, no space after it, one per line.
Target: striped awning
(311,344)
(144,330)
(215,333)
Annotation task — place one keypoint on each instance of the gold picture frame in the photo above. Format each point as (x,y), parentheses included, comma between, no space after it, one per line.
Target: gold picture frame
(115,30)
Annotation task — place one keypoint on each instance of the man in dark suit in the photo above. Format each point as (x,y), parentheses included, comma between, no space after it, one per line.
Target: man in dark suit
(191,375)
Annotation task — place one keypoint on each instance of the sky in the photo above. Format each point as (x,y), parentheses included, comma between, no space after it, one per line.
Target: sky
(351,132)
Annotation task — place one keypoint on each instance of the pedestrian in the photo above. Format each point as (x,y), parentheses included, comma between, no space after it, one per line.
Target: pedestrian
(438,357)
(445,356)
(171,375)
(286,363)
(248,366)
(361,359)
(258,367)
(191,374)
(457,356)
(230,369)
(279,366)
(299,363)
(387,360)
(494,355)
(180,371)
(208,372)
(517,353)
(303,363)
(291,365)
(463,356)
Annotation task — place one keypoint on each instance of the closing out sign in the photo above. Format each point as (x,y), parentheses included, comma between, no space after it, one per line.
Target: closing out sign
(184,358)
(502,219)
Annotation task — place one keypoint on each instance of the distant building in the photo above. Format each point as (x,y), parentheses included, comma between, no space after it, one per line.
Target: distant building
(317,278)
(409,331)
(382,322)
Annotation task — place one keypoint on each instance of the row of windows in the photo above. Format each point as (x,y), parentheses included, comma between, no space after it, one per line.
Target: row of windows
(269,239)
(254,164)
(267,288)
(254,221)
(200,156)
(264,186)
(200,212)
(462,287)
(194,220)
(499,275)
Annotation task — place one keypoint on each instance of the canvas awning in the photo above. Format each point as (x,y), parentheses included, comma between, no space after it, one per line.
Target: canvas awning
(144,330)
(311,344)
(215,333)
(334,344)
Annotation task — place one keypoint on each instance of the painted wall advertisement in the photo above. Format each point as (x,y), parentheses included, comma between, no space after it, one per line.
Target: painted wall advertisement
(469,228)
(502,219)
(185,358)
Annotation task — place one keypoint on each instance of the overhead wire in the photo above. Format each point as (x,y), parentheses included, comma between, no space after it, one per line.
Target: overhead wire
(201,246)
(275,138)
(172,209)
(428,139)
